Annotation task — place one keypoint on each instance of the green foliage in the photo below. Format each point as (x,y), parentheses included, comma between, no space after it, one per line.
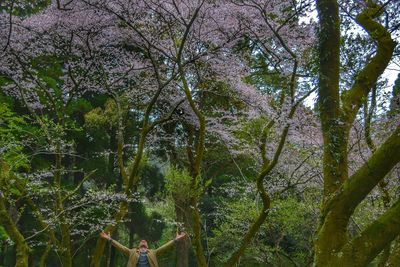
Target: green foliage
(251,130)
(284,238)
(80,105)
(233,218)
(95,118)
(3,234)
(107,116)
(179,183)
(30,7)
(152,180)
(12,132)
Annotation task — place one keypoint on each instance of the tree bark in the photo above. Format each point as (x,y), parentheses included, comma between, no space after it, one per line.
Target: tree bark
(369,243)
(384,257)
(196,172)
(45,255)
(342,194)
(394,258)
(182,248)
(65,243)
(21,247)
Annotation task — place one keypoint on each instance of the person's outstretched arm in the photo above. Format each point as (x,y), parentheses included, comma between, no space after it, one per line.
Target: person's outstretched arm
(169,244)
(116,244)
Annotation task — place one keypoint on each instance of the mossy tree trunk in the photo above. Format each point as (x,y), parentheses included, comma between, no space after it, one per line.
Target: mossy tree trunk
(195,172)
(342,194)
(182,213)
(394,257)
(21,246)
(65,244)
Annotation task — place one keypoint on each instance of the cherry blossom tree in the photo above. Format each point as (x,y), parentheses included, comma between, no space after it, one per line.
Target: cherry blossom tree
(107,46)
(272,37)
(88,57)
(183,34)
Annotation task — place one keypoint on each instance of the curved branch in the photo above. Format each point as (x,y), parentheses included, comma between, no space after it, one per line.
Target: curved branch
(368,76)
(360,184)
(369,243)
(10,28)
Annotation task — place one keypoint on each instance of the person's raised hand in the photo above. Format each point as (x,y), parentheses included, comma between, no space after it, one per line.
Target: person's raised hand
(180,235)
(105,235)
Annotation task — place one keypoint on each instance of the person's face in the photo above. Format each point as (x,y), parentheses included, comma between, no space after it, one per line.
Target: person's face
(143,246)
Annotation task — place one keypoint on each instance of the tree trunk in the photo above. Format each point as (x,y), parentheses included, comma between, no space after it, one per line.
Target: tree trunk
(45,255)
(384,257)
(196,226)
(182,253)
(21,247)
(196,172)
(394,257)
(182,247)
(337,112)
(65,244)
(66,255)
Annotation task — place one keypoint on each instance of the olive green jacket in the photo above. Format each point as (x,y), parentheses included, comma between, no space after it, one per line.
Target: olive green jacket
(133,253)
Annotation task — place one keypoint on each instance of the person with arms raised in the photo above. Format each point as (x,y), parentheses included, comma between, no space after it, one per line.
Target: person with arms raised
(142,256)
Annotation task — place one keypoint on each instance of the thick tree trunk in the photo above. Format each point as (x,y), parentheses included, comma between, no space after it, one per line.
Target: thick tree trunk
(384,257)
(6,221)
(21,247)
(182,247)
(394,258)
(182,253)
(66,256)
(342,194)
(361,250)
(338,209)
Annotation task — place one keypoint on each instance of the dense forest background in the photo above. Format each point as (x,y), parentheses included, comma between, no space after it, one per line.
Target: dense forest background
(268,131)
